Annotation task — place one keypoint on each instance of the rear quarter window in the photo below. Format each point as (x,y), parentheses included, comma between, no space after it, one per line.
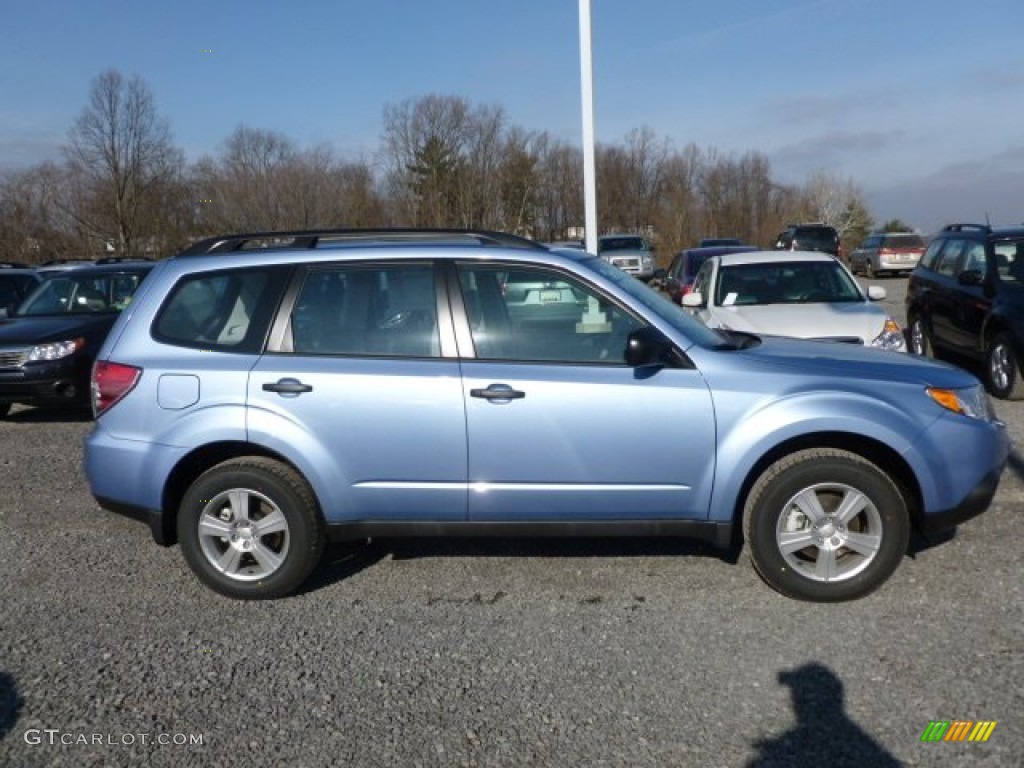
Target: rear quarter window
(227,310)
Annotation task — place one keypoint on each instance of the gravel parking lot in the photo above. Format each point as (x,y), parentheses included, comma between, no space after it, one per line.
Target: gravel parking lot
(504,653)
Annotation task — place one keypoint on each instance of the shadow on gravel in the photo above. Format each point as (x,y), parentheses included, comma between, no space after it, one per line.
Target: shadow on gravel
(1016,464)
(48,416)
(342,561)
(823,734)
(10,704)
(920,543)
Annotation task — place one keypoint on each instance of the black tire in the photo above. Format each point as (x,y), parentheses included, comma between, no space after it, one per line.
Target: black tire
(918,341)
(5,408)
(1003,373)
(234,499)
(845,554)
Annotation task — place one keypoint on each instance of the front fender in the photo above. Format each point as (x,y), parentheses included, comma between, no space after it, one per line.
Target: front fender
(747,437)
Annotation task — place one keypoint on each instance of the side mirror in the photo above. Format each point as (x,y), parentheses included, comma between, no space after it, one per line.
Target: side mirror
(693,300)
(647,346)
(876,292)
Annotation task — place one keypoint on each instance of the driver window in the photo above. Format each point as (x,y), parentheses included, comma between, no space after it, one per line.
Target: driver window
(975,258)
(536,314)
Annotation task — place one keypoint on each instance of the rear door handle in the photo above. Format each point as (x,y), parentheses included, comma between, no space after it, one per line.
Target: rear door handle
(498,393)
(287,387)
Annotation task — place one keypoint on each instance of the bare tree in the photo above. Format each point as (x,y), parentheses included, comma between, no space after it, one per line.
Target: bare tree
(832,201)
(262,181)
(121,152)
(559,198)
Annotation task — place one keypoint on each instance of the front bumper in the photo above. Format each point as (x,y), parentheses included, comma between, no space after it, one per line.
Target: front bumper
(961,483)
(977,501)
(50,383)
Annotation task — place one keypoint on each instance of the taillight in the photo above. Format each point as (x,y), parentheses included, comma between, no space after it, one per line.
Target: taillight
(111,382)
(687,289)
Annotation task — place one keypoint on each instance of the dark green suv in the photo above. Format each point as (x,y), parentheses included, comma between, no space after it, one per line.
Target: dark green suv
(965,299)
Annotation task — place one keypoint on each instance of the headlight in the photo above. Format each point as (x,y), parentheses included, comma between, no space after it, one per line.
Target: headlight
(891,336)
(973,401)
(55,350)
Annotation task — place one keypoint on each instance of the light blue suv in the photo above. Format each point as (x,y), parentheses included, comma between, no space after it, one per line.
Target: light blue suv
(264,393)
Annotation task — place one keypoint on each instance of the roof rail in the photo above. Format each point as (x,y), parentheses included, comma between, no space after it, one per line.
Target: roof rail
(962,227)
(121,259)
(69,260)
(310,238)
(13,265)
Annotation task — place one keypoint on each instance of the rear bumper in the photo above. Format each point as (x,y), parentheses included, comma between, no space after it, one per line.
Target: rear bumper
(154,518)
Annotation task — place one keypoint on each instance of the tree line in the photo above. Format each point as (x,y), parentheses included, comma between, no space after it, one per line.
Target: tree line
(123,188)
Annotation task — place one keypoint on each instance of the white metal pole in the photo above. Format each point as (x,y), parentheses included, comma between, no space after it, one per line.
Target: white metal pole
(589,162)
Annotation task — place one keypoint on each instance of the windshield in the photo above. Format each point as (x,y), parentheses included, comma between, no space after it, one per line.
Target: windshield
(650,299)
(902,241)
(81,293)
(622,244)
(815,239)
(790,282)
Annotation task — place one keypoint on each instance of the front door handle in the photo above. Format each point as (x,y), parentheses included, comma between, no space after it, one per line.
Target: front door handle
(287,387)
(498,393)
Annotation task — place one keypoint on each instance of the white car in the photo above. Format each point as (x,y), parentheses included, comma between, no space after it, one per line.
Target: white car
(791,293)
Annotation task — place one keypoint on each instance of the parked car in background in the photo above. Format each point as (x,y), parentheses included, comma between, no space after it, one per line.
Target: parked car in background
(259,400)
(15,285)
(965,299)
(887,253)
(810,237)
(800,294)
(710,241)
(630,253)
(48,343)
(678,279)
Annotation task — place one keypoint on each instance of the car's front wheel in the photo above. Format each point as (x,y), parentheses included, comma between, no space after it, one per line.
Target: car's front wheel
(1003,369)
(250,528)
(825,525)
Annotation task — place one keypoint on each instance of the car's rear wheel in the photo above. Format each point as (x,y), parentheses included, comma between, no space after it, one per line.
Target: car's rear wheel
(825,525)
(5,408)
(250,528)
(917,338)
(1002,368)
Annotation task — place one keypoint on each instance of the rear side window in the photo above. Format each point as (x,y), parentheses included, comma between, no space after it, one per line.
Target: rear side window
(1010,261)
(227,310)
(376,311)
